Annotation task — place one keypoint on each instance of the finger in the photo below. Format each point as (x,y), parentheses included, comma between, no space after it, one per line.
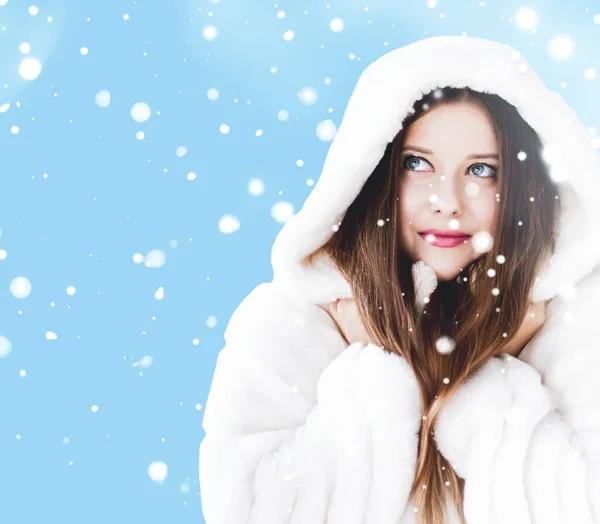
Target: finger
(328,308)
(536,310)
(344,303)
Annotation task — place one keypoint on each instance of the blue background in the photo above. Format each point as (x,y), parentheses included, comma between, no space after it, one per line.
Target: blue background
(80,195)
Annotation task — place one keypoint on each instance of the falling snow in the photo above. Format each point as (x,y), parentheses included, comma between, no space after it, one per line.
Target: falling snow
(308,95)
(20,287)
(140,112)
(30,68)
(103,98)
(155,258)
(336,25)
(157,471)
(228,224)
(326,130)
(527,18)
(561,47)
(210,32)
(282,211)
(5,346)
(256,187)
(240,139)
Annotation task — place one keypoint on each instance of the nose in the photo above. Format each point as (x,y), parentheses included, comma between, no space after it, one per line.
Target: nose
(449,201)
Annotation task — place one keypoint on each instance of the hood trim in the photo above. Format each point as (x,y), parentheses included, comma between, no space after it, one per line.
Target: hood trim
(383,97)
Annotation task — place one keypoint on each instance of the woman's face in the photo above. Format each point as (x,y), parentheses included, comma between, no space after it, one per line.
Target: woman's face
(444,178)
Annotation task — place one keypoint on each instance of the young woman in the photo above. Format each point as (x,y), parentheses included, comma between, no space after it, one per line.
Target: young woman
(427,350)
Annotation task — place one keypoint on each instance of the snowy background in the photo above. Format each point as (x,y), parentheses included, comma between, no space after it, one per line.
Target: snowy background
(150,153)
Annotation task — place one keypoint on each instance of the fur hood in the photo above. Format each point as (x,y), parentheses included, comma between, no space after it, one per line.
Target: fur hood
(384,96)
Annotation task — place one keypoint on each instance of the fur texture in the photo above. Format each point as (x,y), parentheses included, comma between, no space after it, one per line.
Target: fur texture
(302,429)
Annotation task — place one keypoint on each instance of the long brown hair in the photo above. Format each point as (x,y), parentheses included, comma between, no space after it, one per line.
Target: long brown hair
(480,323)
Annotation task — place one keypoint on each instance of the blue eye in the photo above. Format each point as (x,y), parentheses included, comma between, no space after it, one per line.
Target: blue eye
(484,165)
(480,166)
(412,158)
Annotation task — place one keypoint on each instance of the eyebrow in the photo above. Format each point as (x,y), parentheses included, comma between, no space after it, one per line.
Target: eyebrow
(428,152)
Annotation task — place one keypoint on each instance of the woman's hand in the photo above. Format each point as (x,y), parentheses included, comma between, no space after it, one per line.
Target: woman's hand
(345,314)
(533,321)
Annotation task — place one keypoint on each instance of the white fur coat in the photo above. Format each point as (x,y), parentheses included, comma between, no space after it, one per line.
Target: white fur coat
(302,429)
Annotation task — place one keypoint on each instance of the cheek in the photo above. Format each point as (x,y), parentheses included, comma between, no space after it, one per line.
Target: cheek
(484,209)
(408,207)
(412,198)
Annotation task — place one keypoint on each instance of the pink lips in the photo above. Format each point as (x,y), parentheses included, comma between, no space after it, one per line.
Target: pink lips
(444,241)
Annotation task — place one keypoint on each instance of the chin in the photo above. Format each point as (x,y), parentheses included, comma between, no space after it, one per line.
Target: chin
(444,277)
(444,274)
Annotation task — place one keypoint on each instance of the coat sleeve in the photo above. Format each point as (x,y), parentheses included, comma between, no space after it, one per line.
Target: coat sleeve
(527,445)
(300,427)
